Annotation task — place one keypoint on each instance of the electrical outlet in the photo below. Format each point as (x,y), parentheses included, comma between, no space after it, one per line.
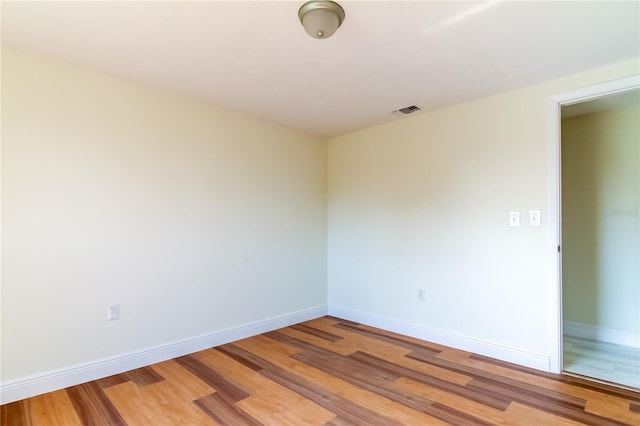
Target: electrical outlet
(420,295)
(113,312)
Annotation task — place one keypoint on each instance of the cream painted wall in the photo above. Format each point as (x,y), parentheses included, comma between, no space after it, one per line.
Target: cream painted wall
(423,202)
(601,200)
(193,218)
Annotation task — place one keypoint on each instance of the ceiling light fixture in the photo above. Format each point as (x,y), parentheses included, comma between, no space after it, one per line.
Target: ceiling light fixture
(321,19)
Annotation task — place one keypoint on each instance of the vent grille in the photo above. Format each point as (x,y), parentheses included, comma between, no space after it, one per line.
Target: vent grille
(409,109)
(406,110)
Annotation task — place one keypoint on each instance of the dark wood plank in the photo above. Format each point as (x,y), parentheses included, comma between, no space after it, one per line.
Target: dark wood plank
(251,362)
(223,410)
(92,405)
(339,421)
(634,407)
(318,333)
(15,414)
(116,379)
(213,378)
(144,376)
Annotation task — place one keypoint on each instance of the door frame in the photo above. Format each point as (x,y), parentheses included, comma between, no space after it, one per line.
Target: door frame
(556,103)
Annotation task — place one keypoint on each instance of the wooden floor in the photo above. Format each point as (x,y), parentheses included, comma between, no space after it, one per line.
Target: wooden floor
(330,372)
(605,361)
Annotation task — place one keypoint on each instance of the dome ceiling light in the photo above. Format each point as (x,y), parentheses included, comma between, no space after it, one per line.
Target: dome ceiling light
(321,19)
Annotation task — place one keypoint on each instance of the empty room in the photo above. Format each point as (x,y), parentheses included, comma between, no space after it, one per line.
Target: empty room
(320,213)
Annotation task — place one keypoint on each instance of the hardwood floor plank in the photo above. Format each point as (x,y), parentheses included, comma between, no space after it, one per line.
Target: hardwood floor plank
(339,421)
(613,408)
(597,394)
(184,384)
(155,404)
(550,405)
(344,347)
(321,396)
(93,406)
(499,402)
(383,349)
(418,343)
(476,409)
(116,379)
(518,414)
(482,377)
(600,388)
(343,407)
(223,410)
(270,403)
(316,332)
(16,414)
(380,382)
(143,376)
(352,341)
(53,409)
(212,378)
(397,341)
(599,403)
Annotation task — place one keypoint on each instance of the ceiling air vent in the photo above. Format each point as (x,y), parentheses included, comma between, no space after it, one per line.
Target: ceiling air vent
(406,110)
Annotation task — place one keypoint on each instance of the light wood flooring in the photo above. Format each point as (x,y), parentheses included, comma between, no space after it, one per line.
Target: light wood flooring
(601,360)
(330,372)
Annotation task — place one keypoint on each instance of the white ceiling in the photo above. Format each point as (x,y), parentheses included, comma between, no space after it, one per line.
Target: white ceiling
(254,56)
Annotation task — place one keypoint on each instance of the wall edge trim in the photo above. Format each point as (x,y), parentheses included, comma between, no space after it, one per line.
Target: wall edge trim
(49,381)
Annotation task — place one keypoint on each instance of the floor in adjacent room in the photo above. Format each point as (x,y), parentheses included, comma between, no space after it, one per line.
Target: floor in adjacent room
(603,361)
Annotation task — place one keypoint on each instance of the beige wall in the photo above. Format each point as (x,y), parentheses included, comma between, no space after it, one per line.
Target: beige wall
(193,218)
(601,200)
(423,202)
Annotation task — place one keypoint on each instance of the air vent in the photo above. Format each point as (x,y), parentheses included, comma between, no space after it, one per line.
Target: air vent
(406,110)
(409,109)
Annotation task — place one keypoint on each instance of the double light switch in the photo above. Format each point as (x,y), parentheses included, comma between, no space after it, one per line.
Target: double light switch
(534,219)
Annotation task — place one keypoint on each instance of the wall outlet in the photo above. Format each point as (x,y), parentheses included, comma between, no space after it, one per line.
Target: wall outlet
(113,312)
(420,294)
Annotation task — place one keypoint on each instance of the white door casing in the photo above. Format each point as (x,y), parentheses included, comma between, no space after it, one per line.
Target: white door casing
(556,103)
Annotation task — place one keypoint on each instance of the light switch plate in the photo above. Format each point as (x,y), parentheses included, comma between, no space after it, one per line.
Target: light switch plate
(514,219)
(534,218)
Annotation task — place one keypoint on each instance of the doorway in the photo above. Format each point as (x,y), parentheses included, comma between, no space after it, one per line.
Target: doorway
(597,198)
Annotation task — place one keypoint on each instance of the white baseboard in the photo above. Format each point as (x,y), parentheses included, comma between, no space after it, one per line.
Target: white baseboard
(602,334)
(26,387)
(469,344)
